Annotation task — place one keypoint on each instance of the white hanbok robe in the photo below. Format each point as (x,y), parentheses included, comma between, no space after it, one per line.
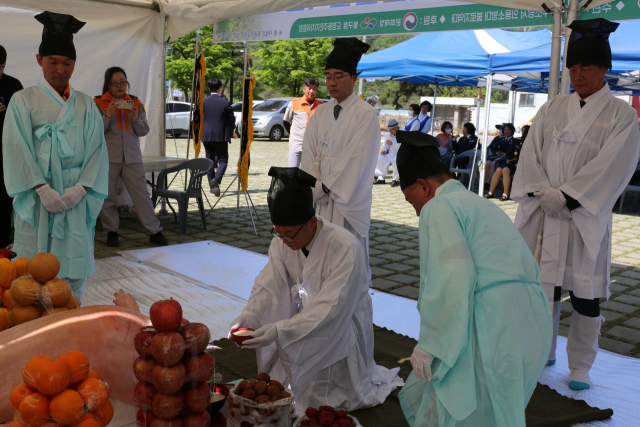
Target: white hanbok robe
(590,154)
(324,349)
(341,154)
(388,159)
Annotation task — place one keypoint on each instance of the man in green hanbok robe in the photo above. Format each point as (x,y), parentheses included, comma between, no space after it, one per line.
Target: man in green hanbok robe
(55,159)
(485,322)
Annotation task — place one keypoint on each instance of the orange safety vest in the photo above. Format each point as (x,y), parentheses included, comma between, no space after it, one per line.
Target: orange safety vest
(301,104)
(104,101)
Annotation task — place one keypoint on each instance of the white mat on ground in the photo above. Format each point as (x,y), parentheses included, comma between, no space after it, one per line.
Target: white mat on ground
(148,285)
(215,267)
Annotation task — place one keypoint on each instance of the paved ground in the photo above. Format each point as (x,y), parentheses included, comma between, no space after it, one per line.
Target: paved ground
(393,237)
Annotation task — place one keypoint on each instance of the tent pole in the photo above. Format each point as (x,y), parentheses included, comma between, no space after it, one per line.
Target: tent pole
(485,142)
(163,105)
(193,85)
(244,81)
(433,110)
(478,103)
(571,16)
(554,68)
(361,82)
(514,95)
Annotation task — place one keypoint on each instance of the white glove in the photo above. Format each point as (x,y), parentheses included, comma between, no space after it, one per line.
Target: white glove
(51,199)
(241,321)
(563,214)
(73,195)
(552,200)
(262,337)
(323,200)
(421,362)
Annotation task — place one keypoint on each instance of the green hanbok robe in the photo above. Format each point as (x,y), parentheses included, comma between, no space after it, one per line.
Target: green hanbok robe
(48,140)
(483,316)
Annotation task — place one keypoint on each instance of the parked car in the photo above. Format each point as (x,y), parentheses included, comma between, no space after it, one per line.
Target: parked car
(177,117)
(237,111)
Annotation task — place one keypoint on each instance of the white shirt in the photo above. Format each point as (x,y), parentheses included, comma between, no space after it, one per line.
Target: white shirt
(416,124)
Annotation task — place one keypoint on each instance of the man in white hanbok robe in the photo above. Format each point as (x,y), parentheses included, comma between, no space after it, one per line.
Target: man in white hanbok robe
(311,307)
(387,156)
(580,154)
(340,147)
(55,160)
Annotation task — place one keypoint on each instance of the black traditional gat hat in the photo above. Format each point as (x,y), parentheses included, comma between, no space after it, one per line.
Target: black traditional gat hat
(589,43)
(57,34)
(290,198)
(346,54)
(418,156)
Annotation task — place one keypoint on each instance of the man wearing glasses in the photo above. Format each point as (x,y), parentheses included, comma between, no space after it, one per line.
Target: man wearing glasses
(56,166)
(340,146)
(310,306)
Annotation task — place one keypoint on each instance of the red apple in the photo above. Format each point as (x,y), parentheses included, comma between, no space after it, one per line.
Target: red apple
(169,379)
(144,418)
(142,340)
(184,321)
(198,396)
(196,337)
(168,406)
(166,315)
(159,422)
(200,367)
(167,348)
(240,335)
(143,395)
(201,419)
(142,368)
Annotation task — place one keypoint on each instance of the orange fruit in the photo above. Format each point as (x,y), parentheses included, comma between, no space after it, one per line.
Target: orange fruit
(106,413)
(22,314)
(56,293)
(22,265)
(49,425)
(31,369)
(16,423)
(25,291)
(52,377)
(74,302)
(44,266)
(4,319)
(78,364)
(54,310)
(34,409)
(6,300)
(94,393)
(94,374)
(20,393)
(90,419)
(66,408)
(8,273)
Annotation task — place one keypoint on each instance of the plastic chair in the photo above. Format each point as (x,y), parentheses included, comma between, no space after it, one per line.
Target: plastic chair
(470,154)
(197,169)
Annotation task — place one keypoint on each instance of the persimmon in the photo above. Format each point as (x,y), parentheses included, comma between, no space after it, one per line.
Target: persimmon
(106,413)
(52,377)
(4,319)
(22,265)
(56,293)
(31,369)
(74,302)
(90,419)
(44,266)
(15,423)
(94,374)
(19,393)
(6,300)
(25,291)
(34,409)
(22,314)
(94,393)
(78,364)
(66,408)
(8,273)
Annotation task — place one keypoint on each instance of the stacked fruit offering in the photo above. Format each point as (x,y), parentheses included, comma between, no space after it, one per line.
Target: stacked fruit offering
(61,392)
(258,402)
(326,416)
(172,370)
(30,289)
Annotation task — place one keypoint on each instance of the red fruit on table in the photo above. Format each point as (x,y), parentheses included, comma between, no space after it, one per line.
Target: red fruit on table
(143,395)
(168,406)
(144,418)
(142,368)
(201,419)
(159,422)
(166,315)
(198,396)
(184,321)
(167,348)
(196,337)
(142,340)
(169,379)
(200,367)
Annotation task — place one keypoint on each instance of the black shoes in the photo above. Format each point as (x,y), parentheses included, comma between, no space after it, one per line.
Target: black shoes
(215,188)
(112,240)
(504,198)
(395,183)
(158,239)
(488,195)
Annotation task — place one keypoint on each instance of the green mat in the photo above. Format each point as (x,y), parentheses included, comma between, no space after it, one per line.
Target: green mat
(547,407)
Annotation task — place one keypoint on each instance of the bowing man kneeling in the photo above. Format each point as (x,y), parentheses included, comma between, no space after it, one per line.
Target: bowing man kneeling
(484,326)
(311,308)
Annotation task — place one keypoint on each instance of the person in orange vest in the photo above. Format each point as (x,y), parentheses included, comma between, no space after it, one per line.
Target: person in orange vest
(296,117)
(125,121)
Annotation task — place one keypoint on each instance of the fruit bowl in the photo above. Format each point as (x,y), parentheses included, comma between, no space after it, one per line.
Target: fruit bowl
(218,398)
(240,335)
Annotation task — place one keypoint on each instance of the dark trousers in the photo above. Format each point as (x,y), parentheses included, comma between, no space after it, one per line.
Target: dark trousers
(6,208)
(585,307)
(220,151)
